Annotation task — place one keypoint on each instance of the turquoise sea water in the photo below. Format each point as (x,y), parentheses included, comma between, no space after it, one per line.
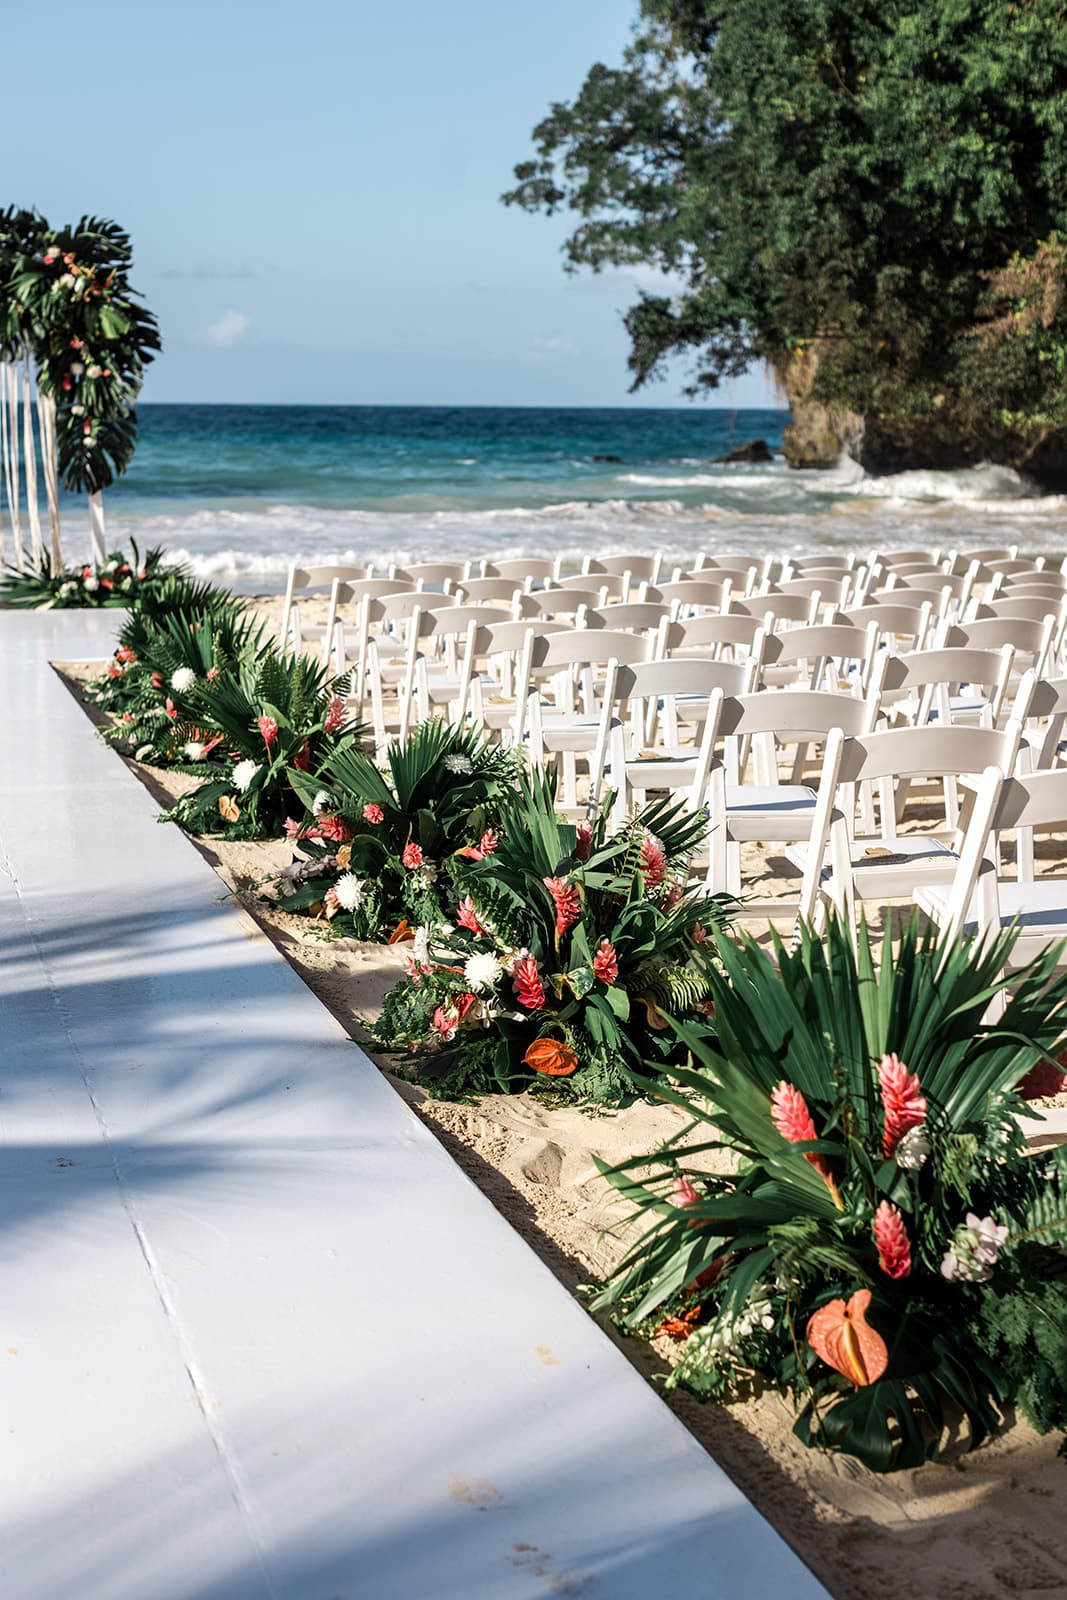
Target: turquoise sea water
(240,491)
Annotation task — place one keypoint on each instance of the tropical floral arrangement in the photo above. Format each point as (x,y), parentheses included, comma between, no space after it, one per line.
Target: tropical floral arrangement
(378,846)
(247,730)
(570,950)
(122,580)
(883,1246)
(162,654)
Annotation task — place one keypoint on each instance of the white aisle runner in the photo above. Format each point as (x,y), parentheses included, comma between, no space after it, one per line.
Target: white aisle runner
(260,1339)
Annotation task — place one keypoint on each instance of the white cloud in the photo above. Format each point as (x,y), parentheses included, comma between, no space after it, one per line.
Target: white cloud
(229,329)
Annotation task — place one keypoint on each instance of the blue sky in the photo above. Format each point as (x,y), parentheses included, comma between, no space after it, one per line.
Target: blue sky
(313,193)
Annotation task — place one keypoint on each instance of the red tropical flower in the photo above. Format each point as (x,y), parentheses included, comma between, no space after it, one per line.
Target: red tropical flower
(790,1115)
(467,918)
(302,761)
(335,714)
(268,728)
(653,862)
(529,990)
(334,829)
(904,1103)
(605,962)
(413,856)
(583,841)
(488,842)
(891,1237)
(373,814)
(566,900)
(684,1193)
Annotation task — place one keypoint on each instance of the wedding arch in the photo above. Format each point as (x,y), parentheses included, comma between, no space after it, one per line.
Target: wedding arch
(74,343)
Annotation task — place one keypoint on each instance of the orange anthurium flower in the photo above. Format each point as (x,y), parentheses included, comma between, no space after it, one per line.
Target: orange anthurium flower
(551,1057)
(841,1336)
(229,810)
(401,932)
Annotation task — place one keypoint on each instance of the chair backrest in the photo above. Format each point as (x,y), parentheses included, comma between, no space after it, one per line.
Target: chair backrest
(819,566)
(433,571)
(678,676)
(633,615)
(949,665)
(827,588)
(901,559)
(932,580)
(1035,609)
(735,630)
(783,607)
(740,573)
(606,583)
(895,621)
(585,646)
(350,592)
(559,602)
(522,567)
(840,641)
(508,637)
(445,620)
(795,716)
(693,591)
(640,567)
(991,633)
(474,590)
(933,752)
(304,580)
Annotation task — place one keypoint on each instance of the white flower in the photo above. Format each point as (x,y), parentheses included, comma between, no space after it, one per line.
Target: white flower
(322,802)
(91,583)
(95,372)
(482,971)
(68,280)
(973,1253)
(350,891)
(142,751)
(76,369)
(420,946)
(194,751)
(66,590)
(244,772)
(183,679)
(913,1150)
(459,764)
(77,411)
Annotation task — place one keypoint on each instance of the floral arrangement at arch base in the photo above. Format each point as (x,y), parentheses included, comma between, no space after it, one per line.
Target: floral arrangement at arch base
(569,951)
(884,1248)
(120,581)
(379,846)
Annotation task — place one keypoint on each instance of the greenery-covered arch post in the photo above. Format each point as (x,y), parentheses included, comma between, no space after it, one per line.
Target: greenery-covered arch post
(68,306)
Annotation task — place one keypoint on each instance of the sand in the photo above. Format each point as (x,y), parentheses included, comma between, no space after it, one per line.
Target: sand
(971,1527)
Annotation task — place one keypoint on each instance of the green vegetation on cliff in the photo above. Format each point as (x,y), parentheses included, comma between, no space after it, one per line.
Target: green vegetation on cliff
(871,197)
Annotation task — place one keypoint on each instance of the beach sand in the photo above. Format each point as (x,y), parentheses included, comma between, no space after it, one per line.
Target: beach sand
(970,1527)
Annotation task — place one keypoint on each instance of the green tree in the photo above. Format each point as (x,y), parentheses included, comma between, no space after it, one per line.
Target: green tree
(853,193)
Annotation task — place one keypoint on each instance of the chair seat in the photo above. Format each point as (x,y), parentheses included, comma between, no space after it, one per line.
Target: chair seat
(1040,908)
(780,811)
(889,872)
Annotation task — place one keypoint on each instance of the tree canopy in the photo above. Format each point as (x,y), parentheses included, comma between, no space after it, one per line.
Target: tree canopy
(882,180)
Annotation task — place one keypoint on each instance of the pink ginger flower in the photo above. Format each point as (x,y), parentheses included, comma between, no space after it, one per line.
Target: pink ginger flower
(605,962)
(268,728)
(335,714)
(413,856)
(170,709)
(331,902)
(373,814)
(904,1103)
(335,830)
(566,900)
(467,917)
(790,1115)
(488,842)
(891,1237)
(212,672)
(684,1193)
(529,990)
(114,670)
(653,862)
(294,829)
(584,841)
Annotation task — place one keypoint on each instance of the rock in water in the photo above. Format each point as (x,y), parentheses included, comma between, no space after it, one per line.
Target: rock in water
(755,450)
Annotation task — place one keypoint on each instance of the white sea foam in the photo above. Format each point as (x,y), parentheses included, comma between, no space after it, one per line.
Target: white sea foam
(737,508)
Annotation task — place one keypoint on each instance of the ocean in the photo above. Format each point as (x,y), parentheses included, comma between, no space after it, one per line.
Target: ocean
(239,492)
